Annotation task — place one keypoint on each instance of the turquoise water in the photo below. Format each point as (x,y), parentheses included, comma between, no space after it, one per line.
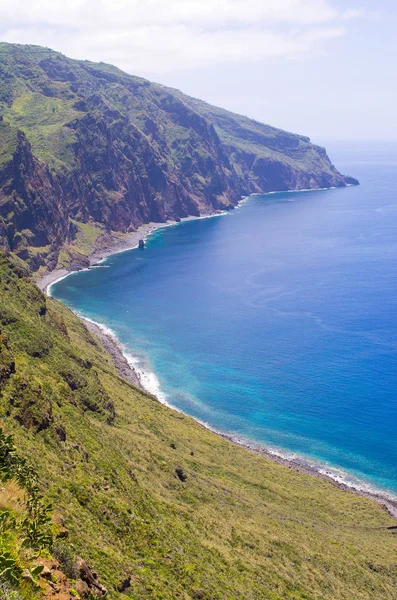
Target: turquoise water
(276,322)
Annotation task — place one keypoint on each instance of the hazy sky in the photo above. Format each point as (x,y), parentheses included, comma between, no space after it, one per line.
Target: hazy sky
(324,68)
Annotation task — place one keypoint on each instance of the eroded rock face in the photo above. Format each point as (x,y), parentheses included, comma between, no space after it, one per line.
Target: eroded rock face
(53,582)
(33,211)
(56,586)
(121,151)
(87,583)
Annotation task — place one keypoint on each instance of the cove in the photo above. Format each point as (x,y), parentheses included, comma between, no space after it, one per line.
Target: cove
(274,323)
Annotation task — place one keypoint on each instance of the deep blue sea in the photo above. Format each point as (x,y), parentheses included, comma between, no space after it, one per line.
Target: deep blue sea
(276,322)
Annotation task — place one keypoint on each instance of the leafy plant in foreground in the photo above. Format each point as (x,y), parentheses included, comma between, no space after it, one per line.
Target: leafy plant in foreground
(21,534)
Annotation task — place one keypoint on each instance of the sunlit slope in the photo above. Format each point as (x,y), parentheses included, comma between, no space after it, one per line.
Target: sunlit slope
(149,494)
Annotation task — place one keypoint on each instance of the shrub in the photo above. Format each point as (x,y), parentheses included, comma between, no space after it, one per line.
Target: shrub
(65,556)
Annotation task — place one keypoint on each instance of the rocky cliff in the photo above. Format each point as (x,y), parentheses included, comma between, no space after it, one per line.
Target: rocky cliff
(85,142)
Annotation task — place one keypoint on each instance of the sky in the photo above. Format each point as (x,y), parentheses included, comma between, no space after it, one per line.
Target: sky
(322,68)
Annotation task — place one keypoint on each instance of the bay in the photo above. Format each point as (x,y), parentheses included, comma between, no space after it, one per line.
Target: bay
(276,322)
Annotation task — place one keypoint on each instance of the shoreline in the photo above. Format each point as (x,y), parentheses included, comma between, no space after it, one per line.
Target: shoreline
(122,361)
(107,248)
(115,349)
(123,366)
(296,464)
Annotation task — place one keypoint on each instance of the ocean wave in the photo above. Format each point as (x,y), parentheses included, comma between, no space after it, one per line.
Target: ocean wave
(338,475)
(149,380)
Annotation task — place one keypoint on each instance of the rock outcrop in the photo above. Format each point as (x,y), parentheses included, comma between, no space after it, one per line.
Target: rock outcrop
(87,583)
(33,211)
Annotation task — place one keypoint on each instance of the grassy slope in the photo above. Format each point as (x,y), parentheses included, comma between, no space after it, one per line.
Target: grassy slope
(26,529)
(82,245)
(238,527)
(241,133)
(40,116)
(43,119)
(7,142)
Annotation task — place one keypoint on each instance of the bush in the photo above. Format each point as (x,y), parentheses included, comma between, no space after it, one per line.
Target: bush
(65,556)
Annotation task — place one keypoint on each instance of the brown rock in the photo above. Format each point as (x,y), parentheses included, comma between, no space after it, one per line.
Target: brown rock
(124,585)
(181,474)
(90,578)
(82,588)
(46,573)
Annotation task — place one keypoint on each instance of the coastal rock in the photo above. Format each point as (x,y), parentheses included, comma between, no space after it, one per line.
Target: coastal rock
(141,244)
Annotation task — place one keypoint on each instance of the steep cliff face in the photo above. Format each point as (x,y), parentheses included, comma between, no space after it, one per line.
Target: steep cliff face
(33,211)
(267,158)
(86,142)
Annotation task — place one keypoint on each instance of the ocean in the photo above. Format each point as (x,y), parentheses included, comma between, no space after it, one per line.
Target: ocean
(275,323)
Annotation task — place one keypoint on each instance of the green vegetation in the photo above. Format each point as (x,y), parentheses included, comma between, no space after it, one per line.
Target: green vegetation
(25,521)
(8,142)
(28,535)
(86,237)
(43,118)
(151,497)
(83,244)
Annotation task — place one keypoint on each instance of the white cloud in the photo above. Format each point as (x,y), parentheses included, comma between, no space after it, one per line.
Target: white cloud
(149,36)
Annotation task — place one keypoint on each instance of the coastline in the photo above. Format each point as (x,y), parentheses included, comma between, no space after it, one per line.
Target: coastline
(105,248)
(122,362)
(389,504)
(113,346)
(101,252)
(124,366)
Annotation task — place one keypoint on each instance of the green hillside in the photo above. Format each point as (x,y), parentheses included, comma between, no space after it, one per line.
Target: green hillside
(152,499)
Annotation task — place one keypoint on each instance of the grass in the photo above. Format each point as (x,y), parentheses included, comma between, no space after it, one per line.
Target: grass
(25,526)
(11,496)
(238,526)
(8,142)
(86,237)
(83,244)
(43,118)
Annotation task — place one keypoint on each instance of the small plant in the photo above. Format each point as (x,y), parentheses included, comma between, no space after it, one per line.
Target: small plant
(65,556)
(9,569)
(32,528)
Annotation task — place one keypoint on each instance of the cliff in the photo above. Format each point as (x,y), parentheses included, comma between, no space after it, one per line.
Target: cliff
(86,143)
